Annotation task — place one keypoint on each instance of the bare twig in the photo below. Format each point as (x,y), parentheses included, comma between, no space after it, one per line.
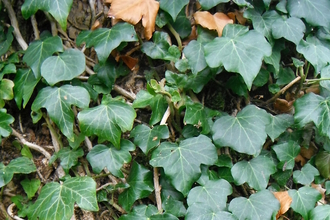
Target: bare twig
(165,116)
(35,27)
(3,210)
(282,91)
(55,139)
(92,6)
(14,23)
(88,143)
(30,145)
(123,92)
(52,23)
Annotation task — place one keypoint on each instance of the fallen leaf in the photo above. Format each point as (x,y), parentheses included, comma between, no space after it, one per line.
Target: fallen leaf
(308,152)
(130,62)
(314,88)
(213,22)
(133,11)
(300,159)
(285,201)
(237,15)
(282,105)
(96,25)
(319,188)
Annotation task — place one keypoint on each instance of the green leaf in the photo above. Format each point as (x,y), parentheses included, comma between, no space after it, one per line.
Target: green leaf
(182,163)
(56,201)
(285,76)
(238,50)
(278,124)
(146,138)
(18,165)
(291,29)
(106,40)
(66,66)
(213,194)
(5,45)
(196,116)
(173,7)
(7,69)
(256,206)
(244,133)
(182,24)
(255,172)
(58,103)
(194,52)
(25,82)
(208,4)
(282,177)
(281,6)
(6,91)
(107,156)
(160,48)
(107,120)
(141,185)
(140,212)
(303,200)
(30,186)
(5,121)
(69,158)
(306,175)
(38,51)
(59,9)
(200,212)
(286,152)
(313,108)
(174,207)
(315,13)
(321,212)
(322,162)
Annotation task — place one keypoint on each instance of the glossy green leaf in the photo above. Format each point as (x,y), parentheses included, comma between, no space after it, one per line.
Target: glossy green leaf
(69,158)
(25,82)
(182,24)
(146,138)
(182,163)
(56,201)
(260,205)
(141,185)
(303,200)
(107,156)
(200,212)
(174,207)
(140,212)
(213,194)
(196,116)
(173,7)
(244,133)
(281,6)
(292,29)
(282,177)
(285,76)
(306,175)
(38,51)
(6,91)
(314,12)
(238,50)
(30,186)
(208,4)
(194,52)
(107,120)
(278,124)
(7,69)
(275,58)
(105,40)
(59,9)
(255,172)
(286,152)
(66,66)
(5,121)
(322,162)
(5,45)
(325,84)
(58,103)
(321,212)
(18,165)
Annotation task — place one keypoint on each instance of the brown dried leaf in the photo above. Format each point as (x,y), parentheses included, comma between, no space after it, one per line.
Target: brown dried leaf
(282,105)
(96,25)
(300,159)
(130,62)
(133,11)
(319,188)
(285,201)
(213,22)
(308,152)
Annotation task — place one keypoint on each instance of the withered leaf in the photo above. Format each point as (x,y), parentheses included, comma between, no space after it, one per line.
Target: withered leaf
(285,201)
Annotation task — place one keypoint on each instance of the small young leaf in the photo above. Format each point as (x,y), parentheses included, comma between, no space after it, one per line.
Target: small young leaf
(5,121)
(30,186)
(196,116)
(102,156)
(141,185)
(278,124)
(306,175)
(69,158)
(286,152)
(174,207)
(173,7)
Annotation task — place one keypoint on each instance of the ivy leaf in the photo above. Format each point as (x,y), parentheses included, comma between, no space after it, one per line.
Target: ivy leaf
(291,29)
(69,158)
(303,200)
(196,115)
(174,207)
(141,185)
(59,9)
(286,152)
(107,120)
(56,201)
(38,51)
(195,54)
(108,156)
(200,212)
(30,186)
(6,91)
(308,9)
(208,4)
(278,124)
(5,121)
(182,163)
(18,165)
(322,162)
(306,175)
(58,103)
(255,172)
(106,40)
(255,207)
(213,194)
(25,82)
(244,133)
(5,45)
(238,50)
(173,7)
(66,66)
(146,138)
(140,212)
(321,212)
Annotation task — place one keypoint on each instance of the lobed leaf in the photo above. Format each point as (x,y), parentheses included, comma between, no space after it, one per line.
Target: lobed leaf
(5,121)
(200,212)
(286,152)
(173,7)
(306,175)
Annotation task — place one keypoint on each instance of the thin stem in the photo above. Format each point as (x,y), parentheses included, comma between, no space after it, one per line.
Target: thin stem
(35,27)
(176,35)
(55,139)
(282,91)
